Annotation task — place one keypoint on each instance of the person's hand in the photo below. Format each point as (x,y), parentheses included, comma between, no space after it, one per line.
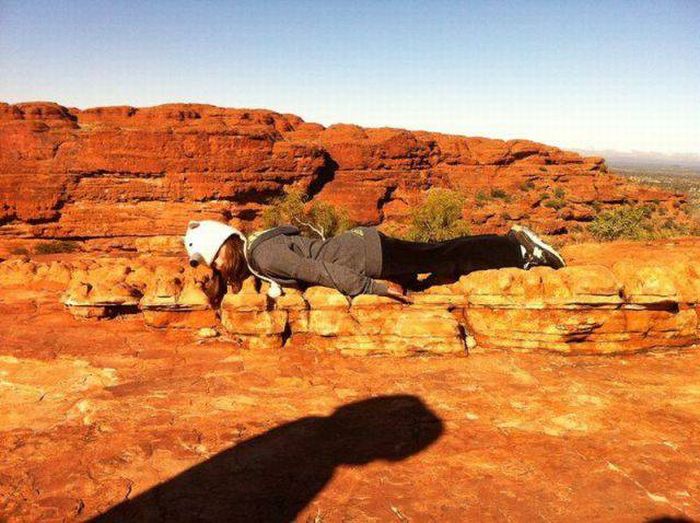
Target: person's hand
(396,292)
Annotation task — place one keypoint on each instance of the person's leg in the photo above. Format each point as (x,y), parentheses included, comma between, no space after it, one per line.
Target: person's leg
(451,257)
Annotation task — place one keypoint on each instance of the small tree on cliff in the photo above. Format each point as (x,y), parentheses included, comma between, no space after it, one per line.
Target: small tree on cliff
(313,218)
(439,217)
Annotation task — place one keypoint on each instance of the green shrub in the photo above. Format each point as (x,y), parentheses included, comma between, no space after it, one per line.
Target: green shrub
(481,198)
(639,222)
(19,251)
(625,222)
(695,229)
(329,219)
(604,168)
(527,186)
(394,229)
(499,193)
(555,203)
(439,217)
(56,247)
(316,219)
(283,209)
(559,193)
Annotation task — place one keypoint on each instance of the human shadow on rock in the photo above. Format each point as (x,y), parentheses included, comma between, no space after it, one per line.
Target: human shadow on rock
(273,476)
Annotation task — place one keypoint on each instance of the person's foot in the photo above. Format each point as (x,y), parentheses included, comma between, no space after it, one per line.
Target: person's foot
(535,251)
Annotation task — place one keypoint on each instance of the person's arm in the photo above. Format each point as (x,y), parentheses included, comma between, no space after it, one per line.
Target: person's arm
(285,263)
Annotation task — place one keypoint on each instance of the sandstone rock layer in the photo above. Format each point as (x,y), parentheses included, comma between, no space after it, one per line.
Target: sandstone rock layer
(634,303)
(130,178)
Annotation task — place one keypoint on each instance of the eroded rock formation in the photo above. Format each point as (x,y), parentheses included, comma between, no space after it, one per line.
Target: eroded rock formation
(623,303)
(129,178)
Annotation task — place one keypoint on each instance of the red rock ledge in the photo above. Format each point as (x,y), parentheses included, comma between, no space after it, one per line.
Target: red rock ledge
(635,303)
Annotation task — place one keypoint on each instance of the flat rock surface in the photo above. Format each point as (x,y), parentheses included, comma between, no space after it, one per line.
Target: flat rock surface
(156,424)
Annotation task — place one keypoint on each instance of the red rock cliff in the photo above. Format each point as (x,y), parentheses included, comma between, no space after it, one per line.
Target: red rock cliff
(119,173)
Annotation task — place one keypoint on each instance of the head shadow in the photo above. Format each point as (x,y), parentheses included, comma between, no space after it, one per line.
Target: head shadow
(273,476)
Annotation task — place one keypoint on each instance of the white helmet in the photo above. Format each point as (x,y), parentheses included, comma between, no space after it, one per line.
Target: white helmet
(203,240)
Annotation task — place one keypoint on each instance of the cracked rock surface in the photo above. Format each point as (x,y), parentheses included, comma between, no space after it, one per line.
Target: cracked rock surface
(96,413)
(116,417)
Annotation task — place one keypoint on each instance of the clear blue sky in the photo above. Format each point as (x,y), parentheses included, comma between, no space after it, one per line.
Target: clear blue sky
(586,74)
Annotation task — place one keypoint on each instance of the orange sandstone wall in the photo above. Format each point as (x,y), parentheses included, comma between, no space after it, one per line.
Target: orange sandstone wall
(120,174)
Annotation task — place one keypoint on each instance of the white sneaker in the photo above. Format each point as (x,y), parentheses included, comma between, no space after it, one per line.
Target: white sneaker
(536,252)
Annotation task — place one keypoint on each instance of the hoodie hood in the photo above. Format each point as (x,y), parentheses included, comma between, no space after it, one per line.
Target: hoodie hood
(203,240)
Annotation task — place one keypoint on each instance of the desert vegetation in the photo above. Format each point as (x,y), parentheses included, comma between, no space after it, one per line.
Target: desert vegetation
(56,247)
(526,185)
(314,218)
(499,194)
(482,197)
(439,217)
(556,200)
(636,222)
(676,179)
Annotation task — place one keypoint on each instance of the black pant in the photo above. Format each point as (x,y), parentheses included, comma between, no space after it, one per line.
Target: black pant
(450,257)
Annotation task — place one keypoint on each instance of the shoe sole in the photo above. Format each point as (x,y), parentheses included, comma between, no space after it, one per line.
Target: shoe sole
(531,241)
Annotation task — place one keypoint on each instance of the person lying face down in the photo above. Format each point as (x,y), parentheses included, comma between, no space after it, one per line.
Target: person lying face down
(354,262)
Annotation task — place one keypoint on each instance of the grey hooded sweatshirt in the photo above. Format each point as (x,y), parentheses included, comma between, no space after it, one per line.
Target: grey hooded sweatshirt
(348,262)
